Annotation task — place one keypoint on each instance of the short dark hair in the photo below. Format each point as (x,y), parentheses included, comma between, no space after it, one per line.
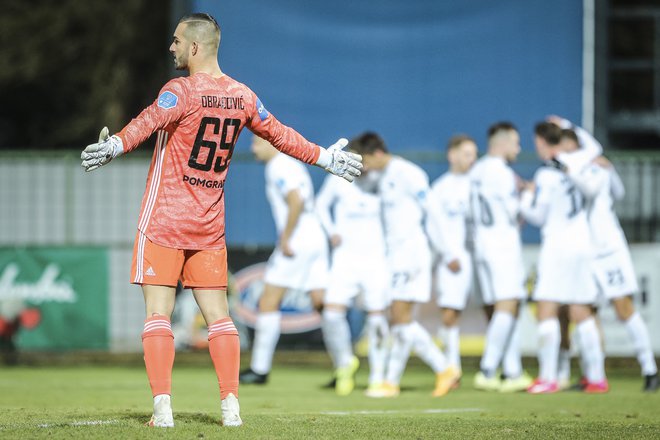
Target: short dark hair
(549,132)
(568,133)
(456,140)
(200,16)
(203,27)
(498,127)
(367,143)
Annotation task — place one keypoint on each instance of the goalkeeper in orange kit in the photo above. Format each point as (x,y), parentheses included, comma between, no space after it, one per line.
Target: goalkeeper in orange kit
(181,228)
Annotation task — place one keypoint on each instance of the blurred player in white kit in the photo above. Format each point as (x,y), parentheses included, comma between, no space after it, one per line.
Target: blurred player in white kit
(352,219)
(451,193)
(555,204)
(494,200)
(612,266)
(403,188)
(300,260)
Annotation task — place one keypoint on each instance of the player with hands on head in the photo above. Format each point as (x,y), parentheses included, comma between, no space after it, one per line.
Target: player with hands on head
(564,266)
(572,161)
(613,269)
(181,229)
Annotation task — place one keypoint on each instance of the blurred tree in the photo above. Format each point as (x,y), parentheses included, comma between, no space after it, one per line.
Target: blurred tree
(72,66)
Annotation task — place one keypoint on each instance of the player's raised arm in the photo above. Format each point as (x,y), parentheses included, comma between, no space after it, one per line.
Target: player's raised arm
(100,153)
(287,140)
(167,108)
(590,148)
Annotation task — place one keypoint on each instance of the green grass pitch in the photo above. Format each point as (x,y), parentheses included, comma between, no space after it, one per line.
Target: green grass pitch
(90,402)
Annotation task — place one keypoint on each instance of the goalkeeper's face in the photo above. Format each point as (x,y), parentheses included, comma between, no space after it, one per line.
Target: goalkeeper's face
(180,49)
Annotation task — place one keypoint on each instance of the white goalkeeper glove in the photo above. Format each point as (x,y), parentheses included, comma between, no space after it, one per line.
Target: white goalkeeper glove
(98,154)
(340,163)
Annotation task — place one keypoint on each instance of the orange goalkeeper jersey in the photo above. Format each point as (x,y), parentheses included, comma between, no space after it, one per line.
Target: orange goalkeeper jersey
(198,119)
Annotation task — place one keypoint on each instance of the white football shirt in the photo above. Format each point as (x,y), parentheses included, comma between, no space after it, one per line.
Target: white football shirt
(351,213)
(558,207)
(403,188)
(283,175)
(601,186)
(451,193)
(495,206)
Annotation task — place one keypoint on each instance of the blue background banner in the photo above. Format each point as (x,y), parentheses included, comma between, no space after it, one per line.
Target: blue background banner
(414,71)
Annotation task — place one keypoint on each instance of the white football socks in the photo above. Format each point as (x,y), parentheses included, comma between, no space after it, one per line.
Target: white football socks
(497,336)
(592,348)
(452,339)
(564,366)
(399,353)
(425,347)
(337,337)
(378,336)
(639,334)
(549,340)
(512,362)
(266,335)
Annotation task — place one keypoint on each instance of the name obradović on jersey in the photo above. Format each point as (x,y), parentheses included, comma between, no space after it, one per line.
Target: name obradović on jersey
(223,102)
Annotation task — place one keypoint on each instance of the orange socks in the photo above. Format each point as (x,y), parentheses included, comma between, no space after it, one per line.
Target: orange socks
(225,350)
(158,344)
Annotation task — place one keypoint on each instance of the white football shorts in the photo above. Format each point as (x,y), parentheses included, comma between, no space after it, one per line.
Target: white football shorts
(306,270)
(501,277)
(453,289)
(410,273)
(564,275)
(615,274)
(360,274)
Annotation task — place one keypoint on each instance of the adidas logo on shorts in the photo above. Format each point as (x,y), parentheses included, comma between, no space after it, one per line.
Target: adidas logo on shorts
(150,272)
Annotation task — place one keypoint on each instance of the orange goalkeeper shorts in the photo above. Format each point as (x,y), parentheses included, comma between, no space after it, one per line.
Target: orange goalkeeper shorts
(162,266)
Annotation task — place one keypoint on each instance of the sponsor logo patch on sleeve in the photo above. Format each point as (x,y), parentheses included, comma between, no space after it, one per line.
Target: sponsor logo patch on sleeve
(167,100)
(263,113)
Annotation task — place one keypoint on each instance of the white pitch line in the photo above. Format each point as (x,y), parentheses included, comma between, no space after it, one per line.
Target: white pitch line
(81,423)
(394,411)
(95,422)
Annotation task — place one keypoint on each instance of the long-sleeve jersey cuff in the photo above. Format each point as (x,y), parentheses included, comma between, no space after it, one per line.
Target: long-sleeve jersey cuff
(324,158)
(122,138)
(117,146)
